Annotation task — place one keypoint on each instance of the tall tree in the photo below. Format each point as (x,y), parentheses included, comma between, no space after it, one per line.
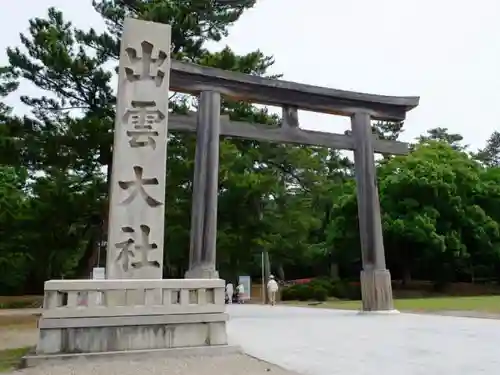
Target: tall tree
(67,137)
(9,152)
(490,154)
(437,216)
(442,134)
(14,257)
(390,130)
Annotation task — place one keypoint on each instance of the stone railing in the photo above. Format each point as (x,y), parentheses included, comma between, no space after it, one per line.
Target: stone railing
(109,298)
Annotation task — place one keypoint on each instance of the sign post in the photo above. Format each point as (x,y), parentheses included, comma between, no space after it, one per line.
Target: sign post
(247,284)
(99,273)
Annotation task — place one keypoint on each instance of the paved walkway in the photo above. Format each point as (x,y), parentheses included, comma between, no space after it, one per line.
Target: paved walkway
(315,341)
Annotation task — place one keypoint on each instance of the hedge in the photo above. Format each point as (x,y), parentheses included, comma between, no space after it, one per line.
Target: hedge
(320,289)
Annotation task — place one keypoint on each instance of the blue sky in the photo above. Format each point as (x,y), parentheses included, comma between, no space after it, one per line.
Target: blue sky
(445,51)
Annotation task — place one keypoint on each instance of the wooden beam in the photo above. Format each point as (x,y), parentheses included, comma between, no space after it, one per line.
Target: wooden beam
(193,79)
(288,134)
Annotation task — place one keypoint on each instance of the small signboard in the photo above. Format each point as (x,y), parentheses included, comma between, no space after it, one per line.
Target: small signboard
(247,284)
(98,273)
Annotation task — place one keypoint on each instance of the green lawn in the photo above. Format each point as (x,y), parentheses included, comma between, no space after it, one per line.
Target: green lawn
(489,304)
(10,358)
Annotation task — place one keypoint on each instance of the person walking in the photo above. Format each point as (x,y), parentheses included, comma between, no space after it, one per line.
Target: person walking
(272,289)
(229,292)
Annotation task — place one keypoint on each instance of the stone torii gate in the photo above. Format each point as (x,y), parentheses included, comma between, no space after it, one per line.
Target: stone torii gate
(146,66)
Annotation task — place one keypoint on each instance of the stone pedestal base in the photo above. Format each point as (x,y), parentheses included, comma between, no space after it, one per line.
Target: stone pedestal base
(131,315)
(33,359)
(112,334)
(376,290)
(202,273)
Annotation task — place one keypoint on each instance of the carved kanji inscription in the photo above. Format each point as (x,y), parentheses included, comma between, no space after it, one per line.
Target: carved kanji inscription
(143,247)
(147,64)
(143,116)
(136,187)
(125,252)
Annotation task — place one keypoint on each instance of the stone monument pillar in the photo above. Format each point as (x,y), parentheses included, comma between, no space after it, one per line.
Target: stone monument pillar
(375,278)
(137,192)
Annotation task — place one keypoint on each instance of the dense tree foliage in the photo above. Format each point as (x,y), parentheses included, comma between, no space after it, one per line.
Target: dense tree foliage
(440,203)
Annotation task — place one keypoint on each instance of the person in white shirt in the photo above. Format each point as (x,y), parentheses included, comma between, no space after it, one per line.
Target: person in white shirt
(240,289)
(229,292)
(272,289)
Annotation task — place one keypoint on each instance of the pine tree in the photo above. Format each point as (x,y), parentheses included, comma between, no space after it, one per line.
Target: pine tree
(490,154)
(66,143)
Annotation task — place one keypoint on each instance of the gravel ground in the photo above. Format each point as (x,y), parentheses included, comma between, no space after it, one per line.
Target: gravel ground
(17,338)
(318,341)
(234,364)
(18,328)
(313,349)
(467,314)
(20,312)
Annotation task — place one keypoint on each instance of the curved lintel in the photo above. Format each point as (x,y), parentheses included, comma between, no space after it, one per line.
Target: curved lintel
(192,78)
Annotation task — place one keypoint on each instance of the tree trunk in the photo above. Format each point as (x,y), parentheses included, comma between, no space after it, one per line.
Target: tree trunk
(406,260)
(267,273)
(406,275)
(472,275)
(334,271)
(89,258)
(280,272)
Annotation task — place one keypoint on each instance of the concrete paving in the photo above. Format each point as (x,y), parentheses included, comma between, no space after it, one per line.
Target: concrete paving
(316,341)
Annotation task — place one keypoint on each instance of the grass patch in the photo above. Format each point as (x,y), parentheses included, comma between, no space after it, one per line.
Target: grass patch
(489,304)
(11,358)
(18,321)
(21,302)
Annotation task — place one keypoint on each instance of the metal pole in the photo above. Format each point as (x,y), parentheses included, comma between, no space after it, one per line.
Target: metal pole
(267,273)
(263,266)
